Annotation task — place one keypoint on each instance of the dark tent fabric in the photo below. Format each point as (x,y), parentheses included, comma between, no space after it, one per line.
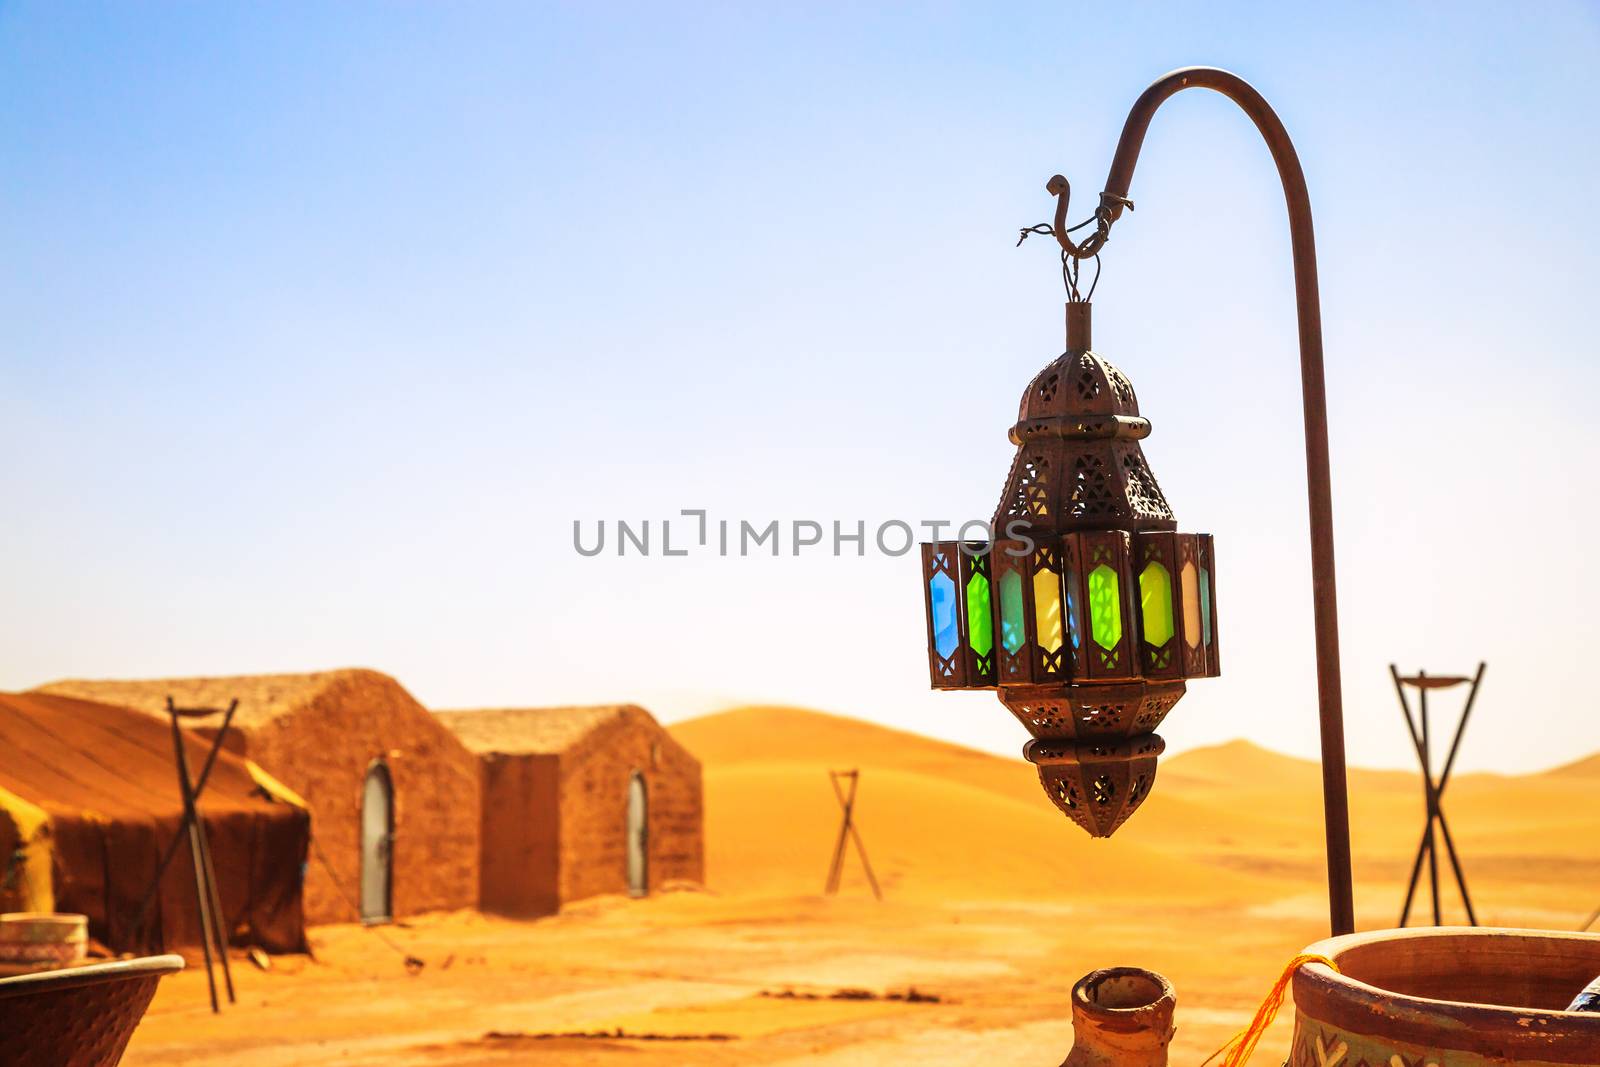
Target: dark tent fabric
(89,801)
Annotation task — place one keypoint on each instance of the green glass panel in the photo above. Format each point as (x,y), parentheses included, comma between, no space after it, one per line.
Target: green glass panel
(1155,603)
(1105,608)
(1011,625)
(1047,609)
(1205,606)
(980,621)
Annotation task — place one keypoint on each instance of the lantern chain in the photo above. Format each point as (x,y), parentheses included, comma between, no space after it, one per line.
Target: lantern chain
(1069,262)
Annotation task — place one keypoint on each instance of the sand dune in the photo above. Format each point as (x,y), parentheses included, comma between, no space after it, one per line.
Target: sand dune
(1226,822)
(797,735)
(1588,767)
(771,828)
(938,819)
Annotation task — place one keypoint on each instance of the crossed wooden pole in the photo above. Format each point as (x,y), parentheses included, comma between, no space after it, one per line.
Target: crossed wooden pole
(207,899)
(1433,789)
(848,832)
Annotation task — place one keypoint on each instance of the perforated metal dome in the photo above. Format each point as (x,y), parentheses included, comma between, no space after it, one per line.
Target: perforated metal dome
(1078,383)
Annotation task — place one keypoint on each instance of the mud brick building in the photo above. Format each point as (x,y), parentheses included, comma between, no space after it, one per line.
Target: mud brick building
(579,802)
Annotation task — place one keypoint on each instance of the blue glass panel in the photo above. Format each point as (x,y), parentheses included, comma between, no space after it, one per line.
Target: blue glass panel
(942,597)
(1072,610)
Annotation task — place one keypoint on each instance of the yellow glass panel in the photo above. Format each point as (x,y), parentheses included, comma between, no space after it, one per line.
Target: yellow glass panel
(1190,581)
(1047,609)
(1155,603)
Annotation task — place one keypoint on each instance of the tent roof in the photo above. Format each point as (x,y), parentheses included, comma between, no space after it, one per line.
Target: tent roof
(533,731)
(73,756)
(88,799)
(262,697)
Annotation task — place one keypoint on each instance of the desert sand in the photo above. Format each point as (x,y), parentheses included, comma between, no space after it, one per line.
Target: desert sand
(994,905)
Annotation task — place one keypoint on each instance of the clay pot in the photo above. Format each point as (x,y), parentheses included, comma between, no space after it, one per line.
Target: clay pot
(33,940)
(1121,1017)
(1451,997)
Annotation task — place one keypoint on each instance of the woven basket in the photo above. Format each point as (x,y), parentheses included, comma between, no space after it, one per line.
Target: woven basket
(77,1016)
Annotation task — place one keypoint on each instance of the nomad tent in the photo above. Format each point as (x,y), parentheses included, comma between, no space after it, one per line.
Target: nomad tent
(89,801)
(393,793)
(581,801)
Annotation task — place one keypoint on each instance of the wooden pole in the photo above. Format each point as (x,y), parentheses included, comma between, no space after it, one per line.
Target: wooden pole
(1422,845)
(190,818)
(1433,790)
(183,827)
(1416,874)
(847,830)
(836,867)
(1314,406)
(218,916)
(1427,793)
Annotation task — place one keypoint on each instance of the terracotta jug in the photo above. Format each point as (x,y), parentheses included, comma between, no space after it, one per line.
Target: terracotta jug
(1121,1017)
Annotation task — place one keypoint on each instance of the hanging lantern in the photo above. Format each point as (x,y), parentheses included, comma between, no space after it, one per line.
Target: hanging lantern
(1088,611)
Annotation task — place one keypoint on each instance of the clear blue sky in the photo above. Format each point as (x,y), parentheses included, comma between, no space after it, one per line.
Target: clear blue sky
(319,325)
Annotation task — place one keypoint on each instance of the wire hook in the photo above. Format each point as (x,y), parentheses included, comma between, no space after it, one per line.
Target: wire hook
(1061,189)
(1074,252)
(1090,246)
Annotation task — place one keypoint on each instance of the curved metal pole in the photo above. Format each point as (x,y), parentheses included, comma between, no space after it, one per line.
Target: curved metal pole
(1335,801)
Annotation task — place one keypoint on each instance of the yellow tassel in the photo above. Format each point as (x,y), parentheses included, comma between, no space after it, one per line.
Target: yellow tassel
(1242,1045)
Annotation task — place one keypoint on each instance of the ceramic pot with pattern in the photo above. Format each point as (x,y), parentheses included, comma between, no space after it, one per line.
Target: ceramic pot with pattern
(1447,997)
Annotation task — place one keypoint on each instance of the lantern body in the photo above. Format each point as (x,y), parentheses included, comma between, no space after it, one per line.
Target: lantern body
(1089,611)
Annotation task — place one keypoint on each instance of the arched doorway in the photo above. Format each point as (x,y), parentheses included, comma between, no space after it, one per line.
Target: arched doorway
(638,837)
(377,844)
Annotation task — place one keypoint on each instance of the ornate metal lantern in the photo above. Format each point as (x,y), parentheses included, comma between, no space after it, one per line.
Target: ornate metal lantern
(1088,611)
(1068,624)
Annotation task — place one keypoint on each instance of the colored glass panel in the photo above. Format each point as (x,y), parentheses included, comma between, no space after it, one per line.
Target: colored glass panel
(1011,624)
(1105,608)
(1205,606)
(1155,603)
(1047,609)
(1072,611)
(1190,591)
(980,623)
(942,600)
